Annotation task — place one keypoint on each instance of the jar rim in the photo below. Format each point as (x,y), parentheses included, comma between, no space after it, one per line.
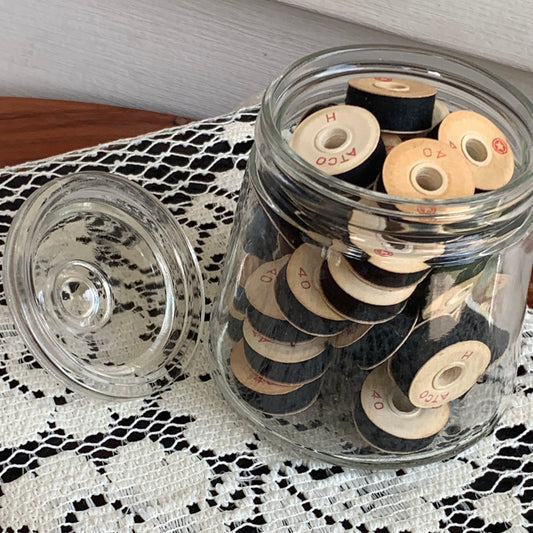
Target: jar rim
(516,189)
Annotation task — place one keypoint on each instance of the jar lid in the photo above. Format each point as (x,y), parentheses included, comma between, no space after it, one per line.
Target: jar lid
(103,285)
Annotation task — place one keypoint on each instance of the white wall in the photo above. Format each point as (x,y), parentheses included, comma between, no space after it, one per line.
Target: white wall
(490,29)
(195,58)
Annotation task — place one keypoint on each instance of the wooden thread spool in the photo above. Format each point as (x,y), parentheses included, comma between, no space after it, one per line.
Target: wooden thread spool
(266,395)
(285,362)
(314,109)
(373,274)
(352,308)
(483,146)
(340,348)
(427,169)
(351,283)
(388,421)
(300,298)
(263,311)
(395,255)
(400,105)
(390,140)
(436,365)
(382,341)
(342,141)
(476,324)
(349,336)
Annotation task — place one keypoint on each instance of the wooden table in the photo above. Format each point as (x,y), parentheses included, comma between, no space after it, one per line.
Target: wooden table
(32,128)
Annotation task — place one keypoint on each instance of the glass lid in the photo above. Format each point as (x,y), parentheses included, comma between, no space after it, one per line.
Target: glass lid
(103,285)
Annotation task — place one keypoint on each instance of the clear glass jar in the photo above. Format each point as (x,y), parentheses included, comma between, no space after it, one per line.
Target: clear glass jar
(365,381)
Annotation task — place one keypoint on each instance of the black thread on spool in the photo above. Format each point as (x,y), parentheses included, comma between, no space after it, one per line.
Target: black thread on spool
(398,114)
(266,395)
(352,308)
(234,328)
(384,278)
(299,316)
(274,328)
(281,404)
(380,438)
(426,340)
(367,172)
(322,143)
(383,340)
(297,372)
(475,326)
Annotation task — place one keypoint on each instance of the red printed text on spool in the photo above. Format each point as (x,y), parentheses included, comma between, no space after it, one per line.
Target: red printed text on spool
(304,283)
(383,253)
(429,397)
(269,279)
(429,152)
(378,404)
(336,160)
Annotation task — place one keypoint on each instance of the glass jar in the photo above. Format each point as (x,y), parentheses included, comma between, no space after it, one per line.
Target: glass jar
(363,328)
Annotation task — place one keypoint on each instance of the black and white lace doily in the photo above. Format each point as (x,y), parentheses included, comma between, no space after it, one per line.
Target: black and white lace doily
(183,460)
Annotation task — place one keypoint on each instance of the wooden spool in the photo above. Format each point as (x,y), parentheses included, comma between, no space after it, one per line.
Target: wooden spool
(436,364)
(352,308)
(300,298)
(349,336)
(427,169)
(263,311)
(375,275)
(382,341)
(476,324)
(397,255)
(342,141)
(285,362)
(266,395)
(483,146)
(350,282)
(400,105)
(390,140)
(388,421)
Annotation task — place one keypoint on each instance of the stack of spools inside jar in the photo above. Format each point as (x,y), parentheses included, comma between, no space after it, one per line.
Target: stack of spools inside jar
(418,334)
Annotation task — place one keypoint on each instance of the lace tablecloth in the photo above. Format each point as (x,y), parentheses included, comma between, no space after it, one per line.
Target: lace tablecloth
(183,460)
